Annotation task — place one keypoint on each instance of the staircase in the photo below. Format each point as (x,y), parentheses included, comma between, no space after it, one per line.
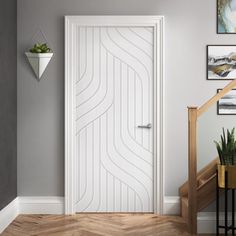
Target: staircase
(206,187)
(199,190)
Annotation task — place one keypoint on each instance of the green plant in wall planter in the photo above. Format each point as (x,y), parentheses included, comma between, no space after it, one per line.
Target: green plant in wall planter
(39,56)
(40,48)
(226,148)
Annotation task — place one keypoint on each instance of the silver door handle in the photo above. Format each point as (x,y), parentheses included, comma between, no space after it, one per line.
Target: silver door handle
(148,126)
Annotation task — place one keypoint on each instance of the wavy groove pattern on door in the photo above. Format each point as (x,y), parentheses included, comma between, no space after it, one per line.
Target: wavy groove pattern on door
(114,76)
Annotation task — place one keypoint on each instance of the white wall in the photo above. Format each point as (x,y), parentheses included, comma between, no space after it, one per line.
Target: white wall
(208,133)
(190,26)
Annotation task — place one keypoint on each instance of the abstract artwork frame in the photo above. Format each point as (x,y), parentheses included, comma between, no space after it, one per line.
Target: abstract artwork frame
(227,104)
(226,16)
(221,62)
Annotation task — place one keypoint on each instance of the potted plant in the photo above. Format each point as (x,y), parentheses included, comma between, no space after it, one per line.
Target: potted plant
(39,56)
(227,155)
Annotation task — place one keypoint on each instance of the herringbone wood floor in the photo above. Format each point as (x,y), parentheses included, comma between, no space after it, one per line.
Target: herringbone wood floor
(97,225)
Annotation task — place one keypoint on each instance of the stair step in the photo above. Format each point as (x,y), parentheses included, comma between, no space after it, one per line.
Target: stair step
(205,195)
(202,182)
(205,191)
(202,176)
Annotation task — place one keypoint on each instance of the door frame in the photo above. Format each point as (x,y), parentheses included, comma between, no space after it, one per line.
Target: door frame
(157,22)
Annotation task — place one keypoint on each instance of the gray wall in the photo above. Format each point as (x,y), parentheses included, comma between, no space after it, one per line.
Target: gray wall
(8,106)
(190,25)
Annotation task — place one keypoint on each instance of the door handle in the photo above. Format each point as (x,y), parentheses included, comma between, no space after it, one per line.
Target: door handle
(148,126)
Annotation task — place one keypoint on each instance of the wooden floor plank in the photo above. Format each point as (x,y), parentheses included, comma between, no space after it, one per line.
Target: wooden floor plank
(97,225)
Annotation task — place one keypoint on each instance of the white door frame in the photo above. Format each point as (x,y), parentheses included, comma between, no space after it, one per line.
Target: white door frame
(157,22)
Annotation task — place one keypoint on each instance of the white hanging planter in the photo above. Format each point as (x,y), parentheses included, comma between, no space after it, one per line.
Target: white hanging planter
(39,62)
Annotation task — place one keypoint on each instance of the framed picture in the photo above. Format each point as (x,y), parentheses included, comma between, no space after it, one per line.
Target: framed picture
(226,20)
(227,104)
(221,62)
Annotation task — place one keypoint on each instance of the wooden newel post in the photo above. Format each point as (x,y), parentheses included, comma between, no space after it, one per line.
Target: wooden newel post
(192,169)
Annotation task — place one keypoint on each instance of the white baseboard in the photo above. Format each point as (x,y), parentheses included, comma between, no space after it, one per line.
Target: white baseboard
(171,205)
(41,205)
(30,205)
(55,205)
(206,222)
(8,214)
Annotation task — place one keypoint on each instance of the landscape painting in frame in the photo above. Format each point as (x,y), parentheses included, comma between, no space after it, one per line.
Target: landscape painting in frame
(221,62)
(227,104)
(226,16)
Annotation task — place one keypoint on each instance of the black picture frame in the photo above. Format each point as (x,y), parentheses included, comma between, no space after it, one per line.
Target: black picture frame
(217,21)
(218,104)
(207,61)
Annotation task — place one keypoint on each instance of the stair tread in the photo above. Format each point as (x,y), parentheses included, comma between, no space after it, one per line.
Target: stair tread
(205,181)
(203,176)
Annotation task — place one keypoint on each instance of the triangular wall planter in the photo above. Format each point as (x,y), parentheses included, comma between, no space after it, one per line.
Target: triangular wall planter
(39,62)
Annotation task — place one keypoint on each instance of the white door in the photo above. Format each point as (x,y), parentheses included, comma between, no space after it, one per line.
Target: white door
(113,67)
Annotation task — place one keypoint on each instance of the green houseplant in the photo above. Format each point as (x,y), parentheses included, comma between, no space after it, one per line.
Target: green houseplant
(39,56)
(226,149)
(40,48)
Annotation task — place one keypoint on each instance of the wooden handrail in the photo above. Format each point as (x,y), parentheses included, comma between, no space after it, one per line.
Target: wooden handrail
(192,170)
(216,98)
